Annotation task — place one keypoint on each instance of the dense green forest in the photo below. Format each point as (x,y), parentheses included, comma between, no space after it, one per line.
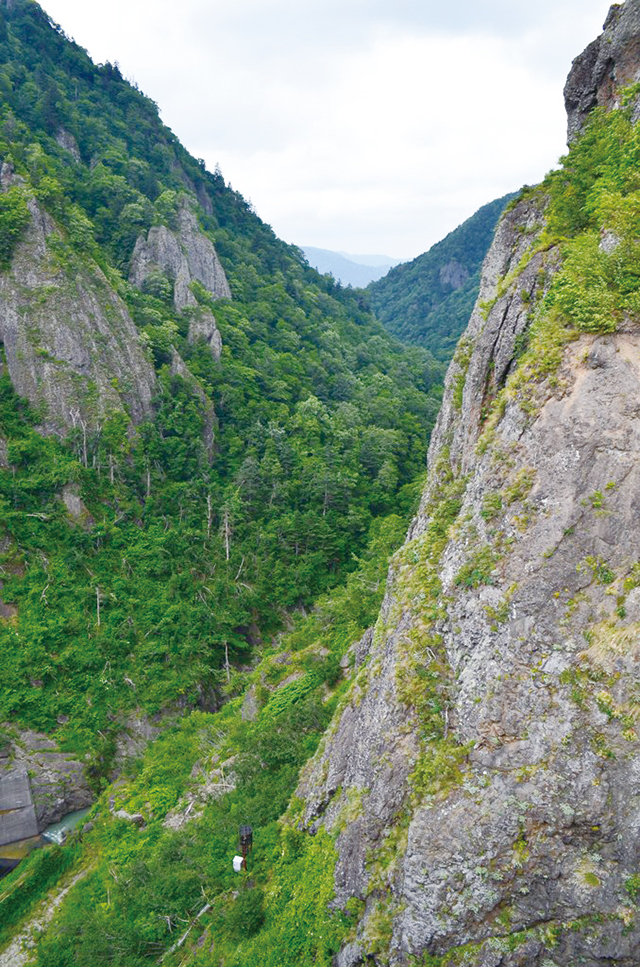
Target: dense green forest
(143,885)
(427,302)
(228,587)
(171,590)
(184,563)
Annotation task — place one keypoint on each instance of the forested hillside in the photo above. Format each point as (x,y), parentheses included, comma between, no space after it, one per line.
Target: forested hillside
(142,563)
(427,302)
(439,760)
(238,463)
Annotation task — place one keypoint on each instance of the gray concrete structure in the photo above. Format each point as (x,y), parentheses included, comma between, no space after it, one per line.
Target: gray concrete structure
(17,812)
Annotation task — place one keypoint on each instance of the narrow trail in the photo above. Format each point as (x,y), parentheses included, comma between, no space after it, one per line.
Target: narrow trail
(19,950)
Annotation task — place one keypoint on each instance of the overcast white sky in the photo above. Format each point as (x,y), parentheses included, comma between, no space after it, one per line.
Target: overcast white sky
(365,126)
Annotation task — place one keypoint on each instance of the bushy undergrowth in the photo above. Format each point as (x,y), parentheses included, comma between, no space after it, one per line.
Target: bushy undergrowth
(186,556)
(593,213)
(29,882)
(146,884)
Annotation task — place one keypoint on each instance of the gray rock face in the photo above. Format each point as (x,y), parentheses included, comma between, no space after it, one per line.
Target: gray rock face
(75,506)
(608,64)
(203,326)
(484,774)
(183,256)
(453,274)
(493,339)
(17,812)
(58,783)
(67,141)
(70,343)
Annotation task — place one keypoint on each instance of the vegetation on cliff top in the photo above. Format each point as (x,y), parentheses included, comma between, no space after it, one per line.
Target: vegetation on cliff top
(177,562)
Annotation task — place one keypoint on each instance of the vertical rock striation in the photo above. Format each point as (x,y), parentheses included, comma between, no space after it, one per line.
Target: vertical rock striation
(483,777)
(71,347)
(184,256)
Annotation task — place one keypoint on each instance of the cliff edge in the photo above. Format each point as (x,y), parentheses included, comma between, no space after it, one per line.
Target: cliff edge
(71,346)
(483,776)
(607,65)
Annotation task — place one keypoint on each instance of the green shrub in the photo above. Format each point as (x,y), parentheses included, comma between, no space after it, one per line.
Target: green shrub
(14,218)
(31,881)
(632,886)
(244,916)
(478,569)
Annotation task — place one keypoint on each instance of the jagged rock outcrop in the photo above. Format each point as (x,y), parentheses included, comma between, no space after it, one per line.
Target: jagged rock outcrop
(71,346)
(183,255)
(67,141)
(483,777)
(57,780)
(453,274)
(202,325)
(608,64)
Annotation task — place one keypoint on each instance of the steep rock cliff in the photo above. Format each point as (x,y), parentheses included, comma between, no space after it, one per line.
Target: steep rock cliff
(70,343)
(483,777)
(183,256)
(608,64)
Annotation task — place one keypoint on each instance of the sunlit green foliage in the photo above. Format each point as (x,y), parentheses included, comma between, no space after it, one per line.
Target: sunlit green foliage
(29,881)
(14,218)
(593,211)
(199,534)
(146,884)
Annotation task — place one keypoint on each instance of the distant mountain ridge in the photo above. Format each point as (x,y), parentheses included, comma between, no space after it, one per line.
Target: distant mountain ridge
(355,270)
(427,302)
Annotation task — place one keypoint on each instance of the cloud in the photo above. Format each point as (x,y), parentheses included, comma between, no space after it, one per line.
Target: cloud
(356,125)
(402,133)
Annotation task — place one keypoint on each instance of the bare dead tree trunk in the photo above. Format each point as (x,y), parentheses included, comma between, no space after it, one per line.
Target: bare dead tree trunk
(77,420)
(226,529)
(98,604)
(226,661)
(209,516)
(85,462)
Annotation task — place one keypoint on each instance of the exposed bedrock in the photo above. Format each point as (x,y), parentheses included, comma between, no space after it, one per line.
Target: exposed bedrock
(71,347)
(523,839)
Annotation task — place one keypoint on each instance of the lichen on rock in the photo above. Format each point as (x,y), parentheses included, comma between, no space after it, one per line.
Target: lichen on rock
(491,735)
(71,347)
(184,255)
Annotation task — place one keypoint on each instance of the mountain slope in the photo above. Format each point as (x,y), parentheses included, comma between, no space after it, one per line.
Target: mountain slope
(347,270)
(475,797)
(196,430)
(427,302)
